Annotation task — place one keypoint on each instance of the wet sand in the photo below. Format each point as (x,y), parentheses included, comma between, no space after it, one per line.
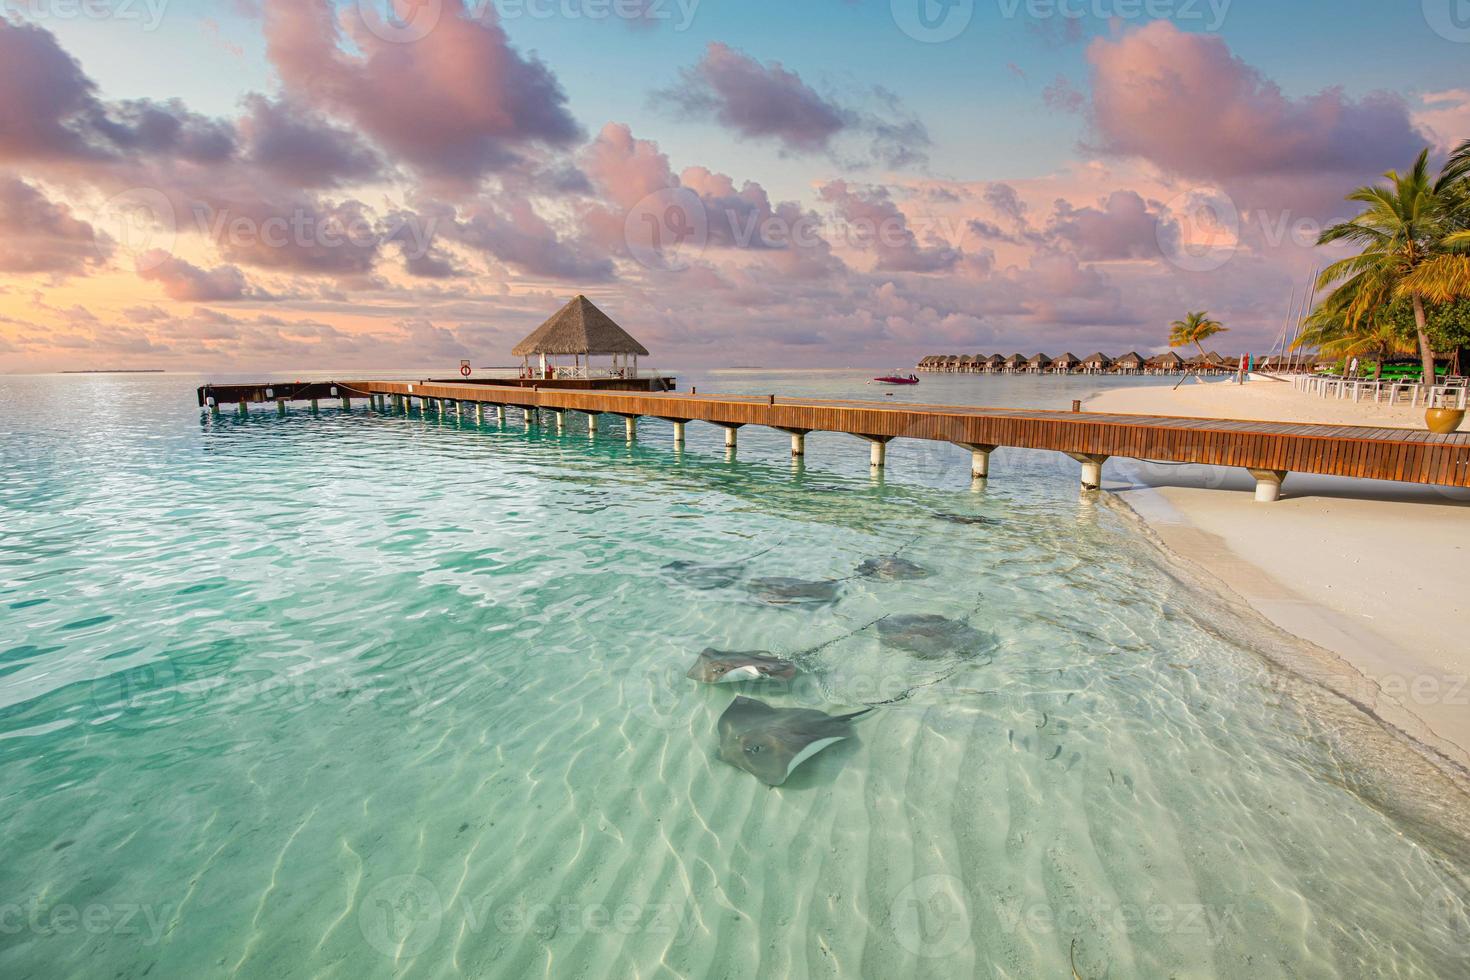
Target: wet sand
(1372,571)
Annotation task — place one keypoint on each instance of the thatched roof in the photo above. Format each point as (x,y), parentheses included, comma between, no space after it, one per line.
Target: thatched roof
(1067,358)
(995,359)
(579,328)
(1098,358)
(1131,359)
(1168,357)
(1039,359)
(1016,359)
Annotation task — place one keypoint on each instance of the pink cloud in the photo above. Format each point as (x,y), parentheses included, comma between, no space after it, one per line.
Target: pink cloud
(188,283)
(881,227)
(457,104)
(1185,103)
(771,102)
(39,235)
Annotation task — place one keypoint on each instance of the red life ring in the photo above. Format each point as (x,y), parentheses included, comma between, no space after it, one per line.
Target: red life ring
(464,369)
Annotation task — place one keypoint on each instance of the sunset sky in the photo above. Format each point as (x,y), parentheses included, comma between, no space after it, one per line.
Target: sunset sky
(298,184)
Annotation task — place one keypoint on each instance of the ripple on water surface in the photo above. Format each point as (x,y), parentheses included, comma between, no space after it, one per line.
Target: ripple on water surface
(354,693)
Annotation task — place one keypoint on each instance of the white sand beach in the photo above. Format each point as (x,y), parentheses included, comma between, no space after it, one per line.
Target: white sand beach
(1374,572)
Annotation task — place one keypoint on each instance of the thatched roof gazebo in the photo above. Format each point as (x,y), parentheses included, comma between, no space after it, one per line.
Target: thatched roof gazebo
(581,331)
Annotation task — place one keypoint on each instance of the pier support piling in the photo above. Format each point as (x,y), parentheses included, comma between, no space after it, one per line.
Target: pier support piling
(479,413)
(500,414)
(678,433)
(561,421)
(979,459)
(346,404)
(1268,485)
(244,409)
(731,440)
(281,407)
(630,427)
(798,441)
(1092,464)
(878,454)
(592,423)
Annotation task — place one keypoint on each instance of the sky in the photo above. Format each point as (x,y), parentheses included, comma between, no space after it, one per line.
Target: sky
(277,185)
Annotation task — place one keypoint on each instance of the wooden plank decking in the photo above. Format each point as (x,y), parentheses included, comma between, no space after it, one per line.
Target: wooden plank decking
(1365,452)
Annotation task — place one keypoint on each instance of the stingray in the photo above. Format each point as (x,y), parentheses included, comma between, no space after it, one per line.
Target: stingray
(725,666)
(769,743)
(930,636)
(891,568)
(969,521)
(783,591)
(704,577)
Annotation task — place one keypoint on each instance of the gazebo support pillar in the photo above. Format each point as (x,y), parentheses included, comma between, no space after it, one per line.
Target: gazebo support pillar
(1092,464)
(979,459)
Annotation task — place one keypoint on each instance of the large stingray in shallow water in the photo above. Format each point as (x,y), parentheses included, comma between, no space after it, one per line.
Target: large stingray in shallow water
(704,577)
(726,666)
(784,591)
(968,520)
(932,637)
(769,743)
(892,568)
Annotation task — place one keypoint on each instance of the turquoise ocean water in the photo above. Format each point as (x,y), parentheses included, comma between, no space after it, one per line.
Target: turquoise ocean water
(356,695)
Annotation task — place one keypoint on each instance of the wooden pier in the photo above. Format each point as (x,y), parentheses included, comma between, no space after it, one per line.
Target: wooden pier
(1269,450)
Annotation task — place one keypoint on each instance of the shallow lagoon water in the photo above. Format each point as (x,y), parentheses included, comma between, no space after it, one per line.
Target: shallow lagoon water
(352,694)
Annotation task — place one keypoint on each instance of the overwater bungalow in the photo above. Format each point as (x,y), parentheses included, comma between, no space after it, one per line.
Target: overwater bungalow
(952,363)
(1166,363)
(1014,364)
(1096,363)
(994,364)
(1130,363)
(1065,364)
(1038,364)
(966,364)
(580,331)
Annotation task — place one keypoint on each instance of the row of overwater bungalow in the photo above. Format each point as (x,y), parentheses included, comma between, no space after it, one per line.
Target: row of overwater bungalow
(1130,363)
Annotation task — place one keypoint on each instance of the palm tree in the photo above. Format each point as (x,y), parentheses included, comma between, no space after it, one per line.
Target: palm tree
(1195,328)
(1445,278)
(1331,332)
(1406,223)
